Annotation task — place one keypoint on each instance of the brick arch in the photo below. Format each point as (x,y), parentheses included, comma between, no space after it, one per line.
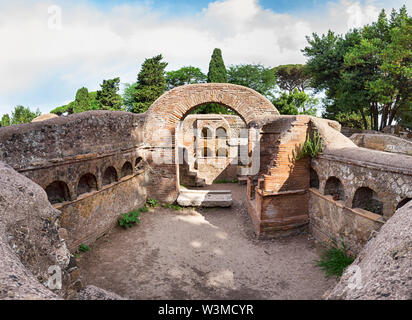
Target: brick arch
(175,104)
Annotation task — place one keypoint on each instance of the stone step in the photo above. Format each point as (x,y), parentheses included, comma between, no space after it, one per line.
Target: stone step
(205,198)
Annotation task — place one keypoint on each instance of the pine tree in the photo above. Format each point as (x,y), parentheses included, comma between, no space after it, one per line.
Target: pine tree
(151,84)
(107,97)
(82,100)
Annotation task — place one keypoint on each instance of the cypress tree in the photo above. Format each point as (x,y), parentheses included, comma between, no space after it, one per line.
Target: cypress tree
(151,83)
(218,74)
(217,70)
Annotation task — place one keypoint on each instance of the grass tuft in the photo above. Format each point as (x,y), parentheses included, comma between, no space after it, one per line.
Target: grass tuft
(335,260)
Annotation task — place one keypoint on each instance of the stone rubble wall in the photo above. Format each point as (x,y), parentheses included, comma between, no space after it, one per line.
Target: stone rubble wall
(383,142)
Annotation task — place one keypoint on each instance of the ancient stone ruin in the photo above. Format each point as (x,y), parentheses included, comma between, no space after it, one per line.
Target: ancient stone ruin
(65,181)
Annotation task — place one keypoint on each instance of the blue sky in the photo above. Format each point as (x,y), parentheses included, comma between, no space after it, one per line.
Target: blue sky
(53,47)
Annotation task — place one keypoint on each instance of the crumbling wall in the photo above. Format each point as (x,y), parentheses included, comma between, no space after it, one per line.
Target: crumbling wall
(69,156)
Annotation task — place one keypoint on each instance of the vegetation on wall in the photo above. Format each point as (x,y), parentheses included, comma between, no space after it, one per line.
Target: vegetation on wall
(311,147)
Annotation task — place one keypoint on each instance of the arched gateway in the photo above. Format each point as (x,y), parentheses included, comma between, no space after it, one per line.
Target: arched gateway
(173,105)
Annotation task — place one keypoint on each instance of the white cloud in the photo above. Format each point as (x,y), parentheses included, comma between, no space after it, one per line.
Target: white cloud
(95,44)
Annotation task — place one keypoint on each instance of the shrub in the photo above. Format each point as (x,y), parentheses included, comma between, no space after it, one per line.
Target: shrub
(334,260)
(127,220)
(311,147)
(152,203)
(83,248)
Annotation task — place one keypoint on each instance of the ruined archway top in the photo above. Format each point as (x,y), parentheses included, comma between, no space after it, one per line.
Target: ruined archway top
(175,104)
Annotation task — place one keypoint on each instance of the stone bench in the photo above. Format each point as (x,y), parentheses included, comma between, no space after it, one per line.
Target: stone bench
(205,198)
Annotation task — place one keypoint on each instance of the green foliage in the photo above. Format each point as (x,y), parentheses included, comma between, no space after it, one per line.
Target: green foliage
(127,220)
(107,97)
(335,260)
(292,76)
(296,102)
(152,203)
(185,75)
(79,104)
(311,147)
(367,71)
(217,73)
(217,70)
(75,255)
(83,248)
(82,101)
(22,114)
(226,181)
(151,84)
(173,206)
(254,76)
(351,119)
(143,209)
(5,120)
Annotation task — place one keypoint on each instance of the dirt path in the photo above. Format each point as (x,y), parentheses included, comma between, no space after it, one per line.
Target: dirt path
(203,254)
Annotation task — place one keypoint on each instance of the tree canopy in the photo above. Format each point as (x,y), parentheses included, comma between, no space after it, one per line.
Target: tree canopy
(292,76)
(254,76)
(185,75)
(107,97)
(150,85)
(5,120)
(366,71)
(296,102)
(19,115)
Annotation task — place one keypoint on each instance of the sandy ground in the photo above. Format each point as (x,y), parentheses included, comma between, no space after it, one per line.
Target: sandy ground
(203,254)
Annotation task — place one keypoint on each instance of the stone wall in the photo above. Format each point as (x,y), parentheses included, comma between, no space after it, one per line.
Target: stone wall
(383,142)
(92,214)
(211,144)
(336,208)
(91,166)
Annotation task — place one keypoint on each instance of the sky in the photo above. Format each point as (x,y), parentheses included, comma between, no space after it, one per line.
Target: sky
(49,49)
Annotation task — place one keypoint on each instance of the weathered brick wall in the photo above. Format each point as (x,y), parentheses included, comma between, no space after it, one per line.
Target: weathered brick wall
(93,214)
(209,168)
(165,114)
(279,204)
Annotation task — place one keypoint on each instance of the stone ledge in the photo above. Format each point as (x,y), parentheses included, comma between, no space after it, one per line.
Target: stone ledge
(205,198)
(358,211)
(91,194)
